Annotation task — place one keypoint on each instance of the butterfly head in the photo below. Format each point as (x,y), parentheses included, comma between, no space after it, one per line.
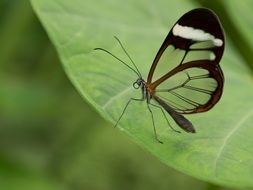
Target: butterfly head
(139,83)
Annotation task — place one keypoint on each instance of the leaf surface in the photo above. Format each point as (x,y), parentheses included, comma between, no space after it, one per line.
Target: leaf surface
(221,150)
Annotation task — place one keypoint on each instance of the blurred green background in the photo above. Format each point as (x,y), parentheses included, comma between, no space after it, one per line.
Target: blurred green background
(49,137)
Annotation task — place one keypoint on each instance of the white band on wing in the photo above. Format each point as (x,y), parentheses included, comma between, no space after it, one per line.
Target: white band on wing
(195,34)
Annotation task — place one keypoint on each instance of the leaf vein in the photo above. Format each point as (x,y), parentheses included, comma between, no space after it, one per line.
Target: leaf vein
(229,135)
(115,97)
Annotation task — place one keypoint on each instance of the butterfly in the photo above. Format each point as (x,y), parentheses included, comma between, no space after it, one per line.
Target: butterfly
(194,82)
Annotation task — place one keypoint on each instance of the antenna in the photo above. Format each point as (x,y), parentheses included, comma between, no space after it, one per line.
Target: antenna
(127,55)
(136,70)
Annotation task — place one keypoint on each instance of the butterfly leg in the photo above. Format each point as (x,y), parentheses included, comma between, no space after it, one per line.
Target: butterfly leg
(129,101)
(153,122)
(156,106)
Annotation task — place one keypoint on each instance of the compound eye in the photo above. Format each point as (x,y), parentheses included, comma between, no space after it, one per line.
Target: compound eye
(136,85)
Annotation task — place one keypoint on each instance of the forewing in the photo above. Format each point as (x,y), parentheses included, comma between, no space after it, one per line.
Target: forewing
(186,72)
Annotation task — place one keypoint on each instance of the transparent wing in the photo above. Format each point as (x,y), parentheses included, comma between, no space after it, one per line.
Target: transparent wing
(193,89)
(186,72)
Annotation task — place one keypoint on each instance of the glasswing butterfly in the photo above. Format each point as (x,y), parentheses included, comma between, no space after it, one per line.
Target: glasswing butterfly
(194,82)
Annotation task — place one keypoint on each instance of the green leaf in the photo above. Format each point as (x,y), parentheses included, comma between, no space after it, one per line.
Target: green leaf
(221,150)
(242,34)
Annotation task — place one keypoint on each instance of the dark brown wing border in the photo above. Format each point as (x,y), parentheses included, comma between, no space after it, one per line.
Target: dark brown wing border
(206,20)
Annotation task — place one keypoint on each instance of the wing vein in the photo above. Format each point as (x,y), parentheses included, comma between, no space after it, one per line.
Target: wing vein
(189,101)
(198,89)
